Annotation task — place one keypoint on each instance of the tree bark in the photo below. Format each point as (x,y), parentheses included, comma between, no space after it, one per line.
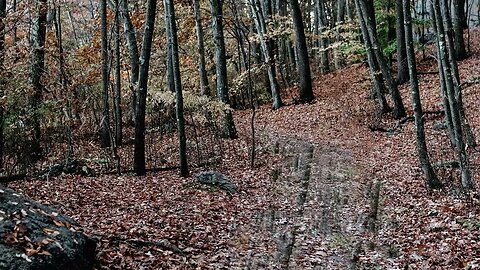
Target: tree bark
(376,79)
(3,14)
(451,48)
(118,86)
(422,149)
(172,40)
(139,147)
(221,67)
(398,109)
(104,128)
(204,86)
(443,86)
(303,63)
(467,183)
(37,69)
(320,26)
(131,36)
(169,57)
(402,65)
(259,18)
(458,14)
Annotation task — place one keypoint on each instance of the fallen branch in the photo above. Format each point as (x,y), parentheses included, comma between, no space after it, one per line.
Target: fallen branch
(11,178)
(470,82)
(163,244)
(427,73)
(398,124)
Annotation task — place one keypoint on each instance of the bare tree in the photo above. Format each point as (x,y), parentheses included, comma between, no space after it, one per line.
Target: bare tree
(38,35)
(375,74)
(118,82)
(303,65)
(132,45)
(104,128)
(398,109)
(259,18)
(172,40)
(139,147)
(458,13)
(3,14)
(439,8)
(221,65)
(204,87)
(402,65)
(422,149)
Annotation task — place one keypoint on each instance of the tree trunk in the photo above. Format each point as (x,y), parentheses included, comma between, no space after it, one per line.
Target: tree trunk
(402,65)
(132,45)
(443,86)
(139,147)
(118,87)
(451,48)
(62,76)
(3,14)
(221,65)
(37,69)
(337,53)
(204,87)
(461,12)
(467,183)
(320,26)
(259,18)
(458,14)
(377,80)
(172,40)
(104,128)
(169,56)
(399,109)
(303,63)
(422,149)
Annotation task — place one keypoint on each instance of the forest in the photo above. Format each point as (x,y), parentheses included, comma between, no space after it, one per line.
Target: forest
(248,134)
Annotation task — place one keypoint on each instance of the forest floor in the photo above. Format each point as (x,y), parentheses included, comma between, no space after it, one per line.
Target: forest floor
(308,203)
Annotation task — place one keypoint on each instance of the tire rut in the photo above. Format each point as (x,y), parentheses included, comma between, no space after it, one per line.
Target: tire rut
(310,221)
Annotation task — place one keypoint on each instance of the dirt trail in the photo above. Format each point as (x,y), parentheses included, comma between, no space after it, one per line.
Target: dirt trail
(310,222)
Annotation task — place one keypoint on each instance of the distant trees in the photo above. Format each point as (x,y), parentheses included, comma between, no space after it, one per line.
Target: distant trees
(204,85)
(259,15)
(250,51)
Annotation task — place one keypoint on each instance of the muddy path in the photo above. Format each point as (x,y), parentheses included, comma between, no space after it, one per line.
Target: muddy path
(311,220)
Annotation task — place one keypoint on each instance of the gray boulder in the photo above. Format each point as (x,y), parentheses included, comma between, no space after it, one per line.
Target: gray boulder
(35,237)
(217,179)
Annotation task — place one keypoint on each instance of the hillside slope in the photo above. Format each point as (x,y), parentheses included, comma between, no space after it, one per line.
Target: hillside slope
(307,203)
